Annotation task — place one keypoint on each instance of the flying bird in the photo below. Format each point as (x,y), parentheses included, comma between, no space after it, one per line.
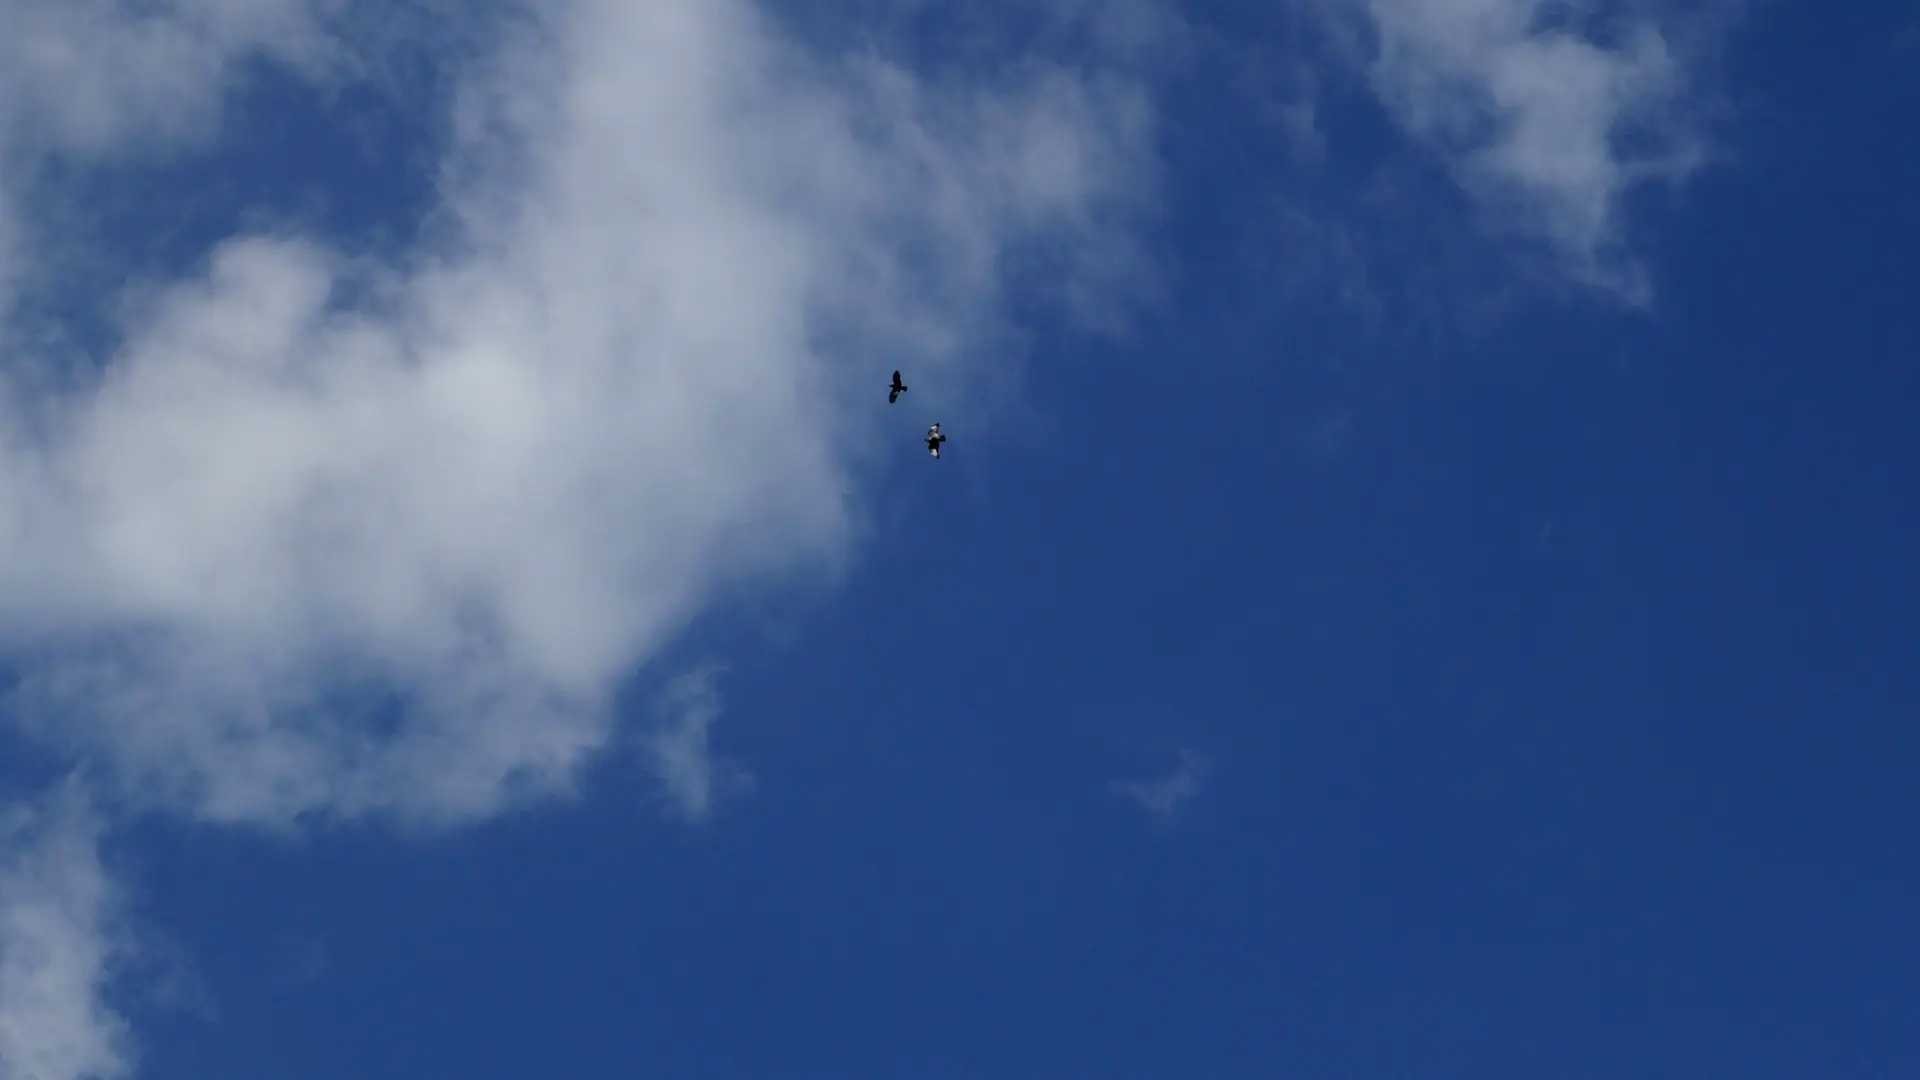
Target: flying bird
(934,439)
(898,389)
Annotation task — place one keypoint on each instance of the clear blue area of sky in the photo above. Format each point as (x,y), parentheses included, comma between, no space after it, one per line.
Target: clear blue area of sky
(1556,671)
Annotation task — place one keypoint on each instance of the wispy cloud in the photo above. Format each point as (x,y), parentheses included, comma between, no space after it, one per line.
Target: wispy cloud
(1163,798)
(1326,436)
(693,778)
(306,959)
(89,77)
(87,83)
(1908,39)
(1548,115)
(57,934)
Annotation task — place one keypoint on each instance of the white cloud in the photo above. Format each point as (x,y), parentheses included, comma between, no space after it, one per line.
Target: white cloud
(56,945)
(694,780)
(94,77)
(334,537)
(1548,124)
(1164,797)
(329,536)
(86,82)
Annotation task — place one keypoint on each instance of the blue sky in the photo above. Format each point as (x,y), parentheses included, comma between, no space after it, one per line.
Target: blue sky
(1420,584)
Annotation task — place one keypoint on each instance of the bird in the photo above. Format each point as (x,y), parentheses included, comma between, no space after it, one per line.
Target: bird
(934,439)
(899,388)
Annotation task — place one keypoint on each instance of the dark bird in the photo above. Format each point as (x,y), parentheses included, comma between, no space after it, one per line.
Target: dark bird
(898,389)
